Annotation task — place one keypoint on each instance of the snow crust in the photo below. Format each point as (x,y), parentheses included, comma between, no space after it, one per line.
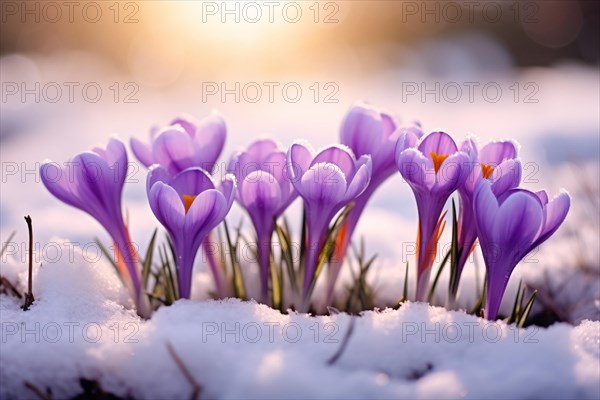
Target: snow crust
(81,326)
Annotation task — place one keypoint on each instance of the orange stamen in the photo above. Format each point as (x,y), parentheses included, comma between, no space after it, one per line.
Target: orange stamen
(486,170)
(437,159)
(187,201)
(340,243)
(431,251)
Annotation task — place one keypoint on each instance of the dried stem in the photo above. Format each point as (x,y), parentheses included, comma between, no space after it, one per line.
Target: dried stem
(344,344)
(29,299)
(197,388)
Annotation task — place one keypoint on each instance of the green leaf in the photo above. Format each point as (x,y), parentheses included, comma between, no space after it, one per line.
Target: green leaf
(286,253)
(405,289)
(109,258)
(527,309)
(365,292)
(173,254)
(516,311)
(303,240)
(276,287)
(455,253)
(437,276)
(172,280)
(238,279)
(148,260)
(479,305)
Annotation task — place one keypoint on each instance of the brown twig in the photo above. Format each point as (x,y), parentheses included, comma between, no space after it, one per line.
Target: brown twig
(344,344)
(197,388)
(29,299)
(41,394)
(9,288)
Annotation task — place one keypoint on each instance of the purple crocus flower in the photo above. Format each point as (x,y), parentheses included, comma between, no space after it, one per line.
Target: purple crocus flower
(183,144)
(367,130)
(496,162)
(326,182)
(93,182)
(265,191)
(509,226)
(189,206)
(434,169)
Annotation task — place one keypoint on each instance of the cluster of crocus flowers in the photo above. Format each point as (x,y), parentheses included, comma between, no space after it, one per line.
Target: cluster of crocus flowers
(334,183)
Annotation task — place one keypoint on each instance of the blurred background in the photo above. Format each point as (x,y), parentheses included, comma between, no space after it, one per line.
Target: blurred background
(74,73)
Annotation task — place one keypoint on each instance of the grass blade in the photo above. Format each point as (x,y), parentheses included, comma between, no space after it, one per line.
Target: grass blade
(147,266)
(516,311)
(476,310)
(405,289)
(108,257)
(437,276)
(238,280)
(527,309)
(454,255)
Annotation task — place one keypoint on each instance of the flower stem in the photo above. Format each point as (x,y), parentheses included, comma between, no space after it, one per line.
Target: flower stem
(215,267)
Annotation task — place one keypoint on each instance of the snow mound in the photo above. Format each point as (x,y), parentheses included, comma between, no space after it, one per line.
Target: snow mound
(79,328)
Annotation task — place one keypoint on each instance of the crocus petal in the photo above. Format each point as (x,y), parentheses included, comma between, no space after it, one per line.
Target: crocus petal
(543,196)
(142,151)
(416,169)
(60,183)
(453,173)
(518,222)
(260,191)
(469,146)
(173,149)
(362,129)
(298,161)
(209,139)
(411,136)
(187,123)
(555,213)
(360,181)
(206,212)
(389,125)
(506,176)
(324,184)
(167,206)
(94,184)
(494,153)
(485,207)
(342,157)
(439,143)
(157,173)
(192,181)
(228,189)
(262,148)
(116,158)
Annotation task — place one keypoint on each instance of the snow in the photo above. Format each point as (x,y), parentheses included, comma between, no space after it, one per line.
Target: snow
(81,326)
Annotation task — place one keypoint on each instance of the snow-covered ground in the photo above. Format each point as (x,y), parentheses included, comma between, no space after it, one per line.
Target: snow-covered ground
(78,329)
